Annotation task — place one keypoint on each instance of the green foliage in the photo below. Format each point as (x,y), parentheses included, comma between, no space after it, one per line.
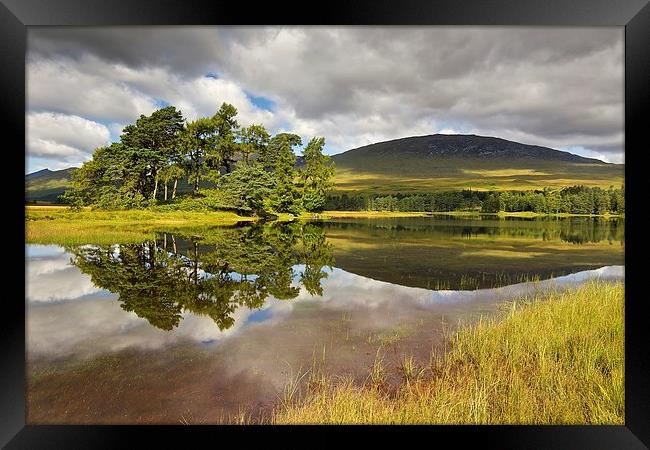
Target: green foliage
(570,200)
(492,204)
(198,140)
(161,149)
(316,176)
(253,141)
(226,131)
(249,188)
(286,197)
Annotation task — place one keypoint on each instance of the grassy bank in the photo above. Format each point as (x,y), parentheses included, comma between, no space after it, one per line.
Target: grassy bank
(361,214)
(60,225)
(556,361)
(385,214)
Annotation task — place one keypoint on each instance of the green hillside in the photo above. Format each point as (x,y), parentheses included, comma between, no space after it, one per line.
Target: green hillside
(454,162)
(46,185)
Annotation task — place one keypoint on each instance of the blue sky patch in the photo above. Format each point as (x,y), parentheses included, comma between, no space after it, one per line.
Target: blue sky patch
(160,103)
(261,102)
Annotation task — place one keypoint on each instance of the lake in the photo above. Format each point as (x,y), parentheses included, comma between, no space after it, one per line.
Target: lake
(208,326)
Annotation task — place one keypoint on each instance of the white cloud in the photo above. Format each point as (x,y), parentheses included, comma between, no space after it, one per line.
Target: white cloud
(556,87)
(68,137)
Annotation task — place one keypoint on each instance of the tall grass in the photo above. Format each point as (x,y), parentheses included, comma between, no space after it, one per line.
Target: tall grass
(46,225)
(556,360)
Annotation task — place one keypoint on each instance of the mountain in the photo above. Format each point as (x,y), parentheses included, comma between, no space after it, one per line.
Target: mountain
(449,162)
(46,185)
(463,146)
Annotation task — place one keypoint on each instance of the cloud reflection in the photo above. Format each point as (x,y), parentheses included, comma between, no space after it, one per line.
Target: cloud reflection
(67,314)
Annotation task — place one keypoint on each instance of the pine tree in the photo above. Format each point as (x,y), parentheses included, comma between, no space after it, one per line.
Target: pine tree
(316,176)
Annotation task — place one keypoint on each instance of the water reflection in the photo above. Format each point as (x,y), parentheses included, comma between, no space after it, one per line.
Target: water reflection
(210,276)
(90,324)
(458,253)
(221,270)
(188,327)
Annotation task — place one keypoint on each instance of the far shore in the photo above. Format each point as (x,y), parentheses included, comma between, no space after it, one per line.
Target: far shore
(335,214)
(386,214)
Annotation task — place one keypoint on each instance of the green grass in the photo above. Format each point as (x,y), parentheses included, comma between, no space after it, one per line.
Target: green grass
(59,225)
(388,214)
(557,360)
(361,214)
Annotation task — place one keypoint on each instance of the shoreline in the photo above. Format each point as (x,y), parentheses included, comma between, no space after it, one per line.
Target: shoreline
(52,224)
(388,214)
(529,365)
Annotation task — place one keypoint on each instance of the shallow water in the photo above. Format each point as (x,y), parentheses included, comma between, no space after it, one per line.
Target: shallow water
(196,329)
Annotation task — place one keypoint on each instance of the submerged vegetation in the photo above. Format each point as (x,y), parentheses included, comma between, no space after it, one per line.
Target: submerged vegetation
(554,360)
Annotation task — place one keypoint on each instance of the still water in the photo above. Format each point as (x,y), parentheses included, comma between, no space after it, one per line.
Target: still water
(203,327)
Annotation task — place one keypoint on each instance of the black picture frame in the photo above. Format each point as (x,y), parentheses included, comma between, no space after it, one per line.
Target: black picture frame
(634,15)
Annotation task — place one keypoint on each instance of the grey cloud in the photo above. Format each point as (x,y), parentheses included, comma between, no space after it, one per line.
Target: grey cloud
(185,49)
(561,87)
(483,77)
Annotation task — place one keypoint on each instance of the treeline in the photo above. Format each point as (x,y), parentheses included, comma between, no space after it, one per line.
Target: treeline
(248,169)
(437,201)
(573,200)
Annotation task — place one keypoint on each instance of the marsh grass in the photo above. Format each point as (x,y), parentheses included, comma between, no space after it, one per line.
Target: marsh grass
(52,225)
(552,360)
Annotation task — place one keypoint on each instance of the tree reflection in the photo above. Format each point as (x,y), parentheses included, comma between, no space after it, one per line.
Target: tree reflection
(210,275)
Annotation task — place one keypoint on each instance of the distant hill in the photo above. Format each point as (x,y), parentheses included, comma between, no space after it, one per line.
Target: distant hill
(46,185)
(448,162)
(424,164)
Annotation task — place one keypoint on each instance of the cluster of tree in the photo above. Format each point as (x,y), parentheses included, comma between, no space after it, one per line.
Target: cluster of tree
(575,200)
(437,201)
(252,170)
(159,280)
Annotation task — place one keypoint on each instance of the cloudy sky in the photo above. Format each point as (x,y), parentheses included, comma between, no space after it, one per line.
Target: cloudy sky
(556,87)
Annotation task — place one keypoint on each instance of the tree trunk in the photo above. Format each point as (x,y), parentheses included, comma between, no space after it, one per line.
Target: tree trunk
(174,190)
(196,184)
(155,187)
(165,191)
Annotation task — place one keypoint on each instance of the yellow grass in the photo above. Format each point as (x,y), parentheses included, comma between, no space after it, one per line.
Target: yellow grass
(347,180)
(504,172)
(361,214)
(558,360)
(60,225)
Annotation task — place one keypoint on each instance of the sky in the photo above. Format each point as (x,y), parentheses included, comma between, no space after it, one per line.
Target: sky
(556,87)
